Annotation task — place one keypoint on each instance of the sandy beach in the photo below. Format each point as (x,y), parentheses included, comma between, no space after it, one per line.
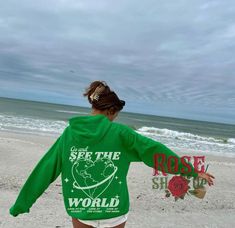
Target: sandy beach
(19,153)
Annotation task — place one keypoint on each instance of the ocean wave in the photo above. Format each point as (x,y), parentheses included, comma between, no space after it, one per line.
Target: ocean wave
(28,124)
(182,135)
(184,141)
(231,140)
(171,138)
(71,112)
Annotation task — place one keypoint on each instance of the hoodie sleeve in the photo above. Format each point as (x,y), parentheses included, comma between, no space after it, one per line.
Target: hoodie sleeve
(151,152)
(44,173)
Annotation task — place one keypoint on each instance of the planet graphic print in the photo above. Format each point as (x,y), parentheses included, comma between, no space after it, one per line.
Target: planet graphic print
(87,179)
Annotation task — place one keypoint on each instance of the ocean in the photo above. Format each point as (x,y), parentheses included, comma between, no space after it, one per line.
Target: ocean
(178,134)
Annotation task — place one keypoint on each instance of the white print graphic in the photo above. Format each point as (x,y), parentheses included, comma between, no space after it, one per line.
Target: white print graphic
(92,176)
(97,202)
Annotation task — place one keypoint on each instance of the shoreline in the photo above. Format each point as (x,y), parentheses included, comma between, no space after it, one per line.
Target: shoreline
(19,153)
(46,135)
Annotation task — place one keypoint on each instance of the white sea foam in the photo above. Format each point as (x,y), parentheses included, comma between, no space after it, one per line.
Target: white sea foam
(181,135)
(171,138)
(27,124)
(231,140)
(182,140)
(71,112)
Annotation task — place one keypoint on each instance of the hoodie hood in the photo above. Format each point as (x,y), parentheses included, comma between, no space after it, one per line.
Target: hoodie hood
(90,128)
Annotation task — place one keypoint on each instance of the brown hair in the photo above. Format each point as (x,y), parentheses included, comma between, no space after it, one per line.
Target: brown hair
(101,97)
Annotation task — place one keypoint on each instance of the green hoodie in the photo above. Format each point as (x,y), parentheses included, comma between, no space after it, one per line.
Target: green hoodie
(93,155)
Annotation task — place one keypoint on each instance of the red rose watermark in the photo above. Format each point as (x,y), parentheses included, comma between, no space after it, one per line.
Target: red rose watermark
(178,186)
(164,163)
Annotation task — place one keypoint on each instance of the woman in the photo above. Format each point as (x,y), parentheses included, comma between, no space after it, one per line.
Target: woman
(93,155)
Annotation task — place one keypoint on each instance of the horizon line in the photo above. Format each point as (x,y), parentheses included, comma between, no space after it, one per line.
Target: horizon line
(172,117)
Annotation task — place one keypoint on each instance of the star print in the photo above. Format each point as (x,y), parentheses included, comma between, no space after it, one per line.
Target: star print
(117,196)
(116,177)
(66,180)
(119,182)
(72,191)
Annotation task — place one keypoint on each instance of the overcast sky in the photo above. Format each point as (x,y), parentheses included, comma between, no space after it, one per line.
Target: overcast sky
(168,57)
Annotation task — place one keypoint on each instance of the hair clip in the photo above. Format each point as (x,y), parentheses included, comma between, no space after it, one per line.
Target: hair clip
(96,97)
(97,92)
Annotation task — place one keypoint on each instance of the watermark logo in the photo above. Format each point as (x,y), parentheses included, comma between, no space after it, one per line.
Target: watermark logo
(182,182)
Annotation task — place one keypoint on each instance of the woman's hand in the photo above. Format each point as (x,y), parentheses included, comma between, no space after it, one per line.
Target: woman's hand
(208,177)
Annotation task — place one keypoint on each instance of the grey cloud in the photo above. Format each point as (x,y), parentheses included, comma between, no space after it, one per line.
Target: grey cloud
(151,52)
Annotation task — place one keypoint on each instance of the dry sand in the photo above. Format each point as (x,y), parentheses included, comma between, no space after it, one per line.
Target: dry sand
(149,208)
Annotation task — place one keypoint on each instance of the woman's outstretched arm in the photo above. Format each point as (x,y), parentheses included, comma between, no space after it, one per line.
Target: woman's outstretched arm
(155,154)
(44,173)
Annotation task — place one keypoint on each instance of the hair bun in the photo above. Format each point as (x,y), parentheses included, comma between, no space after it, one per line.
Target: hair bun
(102,97)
